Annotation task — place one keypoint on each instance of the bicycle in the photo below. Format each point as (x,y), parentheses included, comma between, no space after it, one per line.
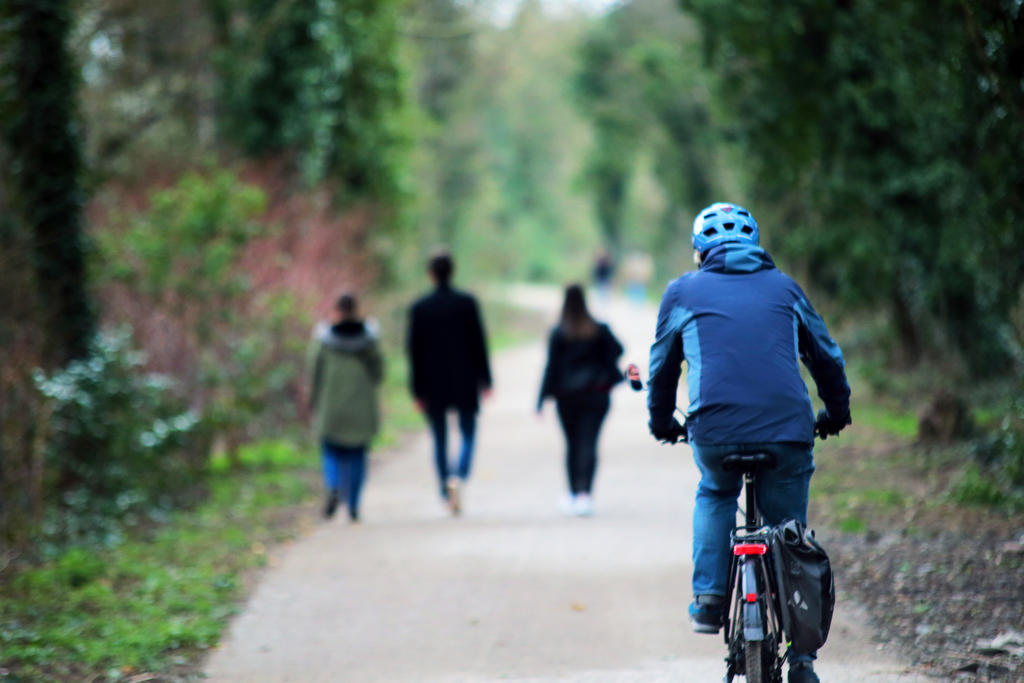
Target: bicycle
(753,622)
(753,626)
(757,625)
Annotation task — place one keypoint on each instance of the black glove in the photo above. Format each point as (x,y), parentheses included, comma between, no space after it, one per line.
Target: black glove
(825,425)
(669,432)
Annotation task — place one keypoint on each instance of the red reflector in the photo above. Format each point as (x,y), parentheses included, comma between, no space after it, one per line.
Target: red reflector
(751,597)
(749,549)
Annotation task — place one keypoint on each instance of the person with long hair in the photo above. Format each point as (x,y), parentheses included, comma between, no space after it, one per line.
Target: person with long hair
(581,371)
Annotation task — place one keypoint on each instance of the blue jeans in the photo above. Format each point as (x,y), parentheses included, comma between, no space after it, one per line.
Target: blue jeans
(781,494)
(439,426)
(344,471)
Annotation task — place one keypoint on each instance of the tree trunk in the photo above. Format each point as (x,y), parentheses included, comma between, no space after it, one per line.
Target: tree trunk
(906,328)
(39,128)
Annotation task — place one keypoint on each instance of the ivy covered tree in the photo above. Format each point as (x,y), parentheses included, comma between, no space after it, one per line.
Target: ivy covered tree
(45,318)
(320,80)
(39,129)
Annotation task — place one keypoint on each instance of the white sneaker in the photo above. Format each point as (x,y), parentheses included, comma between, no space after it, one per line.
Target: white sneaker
(568,505)
(583,505)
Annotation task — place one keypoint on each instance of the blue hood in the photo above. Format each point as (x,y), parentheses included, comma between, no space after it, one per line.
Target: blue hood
(736,257)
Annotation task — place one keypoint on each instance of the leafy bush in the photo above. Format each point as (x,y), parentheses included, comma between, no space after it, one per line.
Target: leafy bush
(117,437)
(997,475)
(183,270)
(185,247)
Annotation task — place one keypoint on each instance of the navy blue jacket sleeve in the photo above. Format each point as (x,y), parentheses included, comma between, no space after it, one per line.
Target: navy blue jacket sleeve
(546,383)
(666,362)
(823,358)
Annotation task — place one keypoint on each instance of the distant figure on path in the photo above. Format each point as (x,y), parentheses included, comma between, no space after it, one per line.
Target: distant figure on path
(448,370)
(604,270)
(581,371)
(638,269)
(347,368)
(743,327)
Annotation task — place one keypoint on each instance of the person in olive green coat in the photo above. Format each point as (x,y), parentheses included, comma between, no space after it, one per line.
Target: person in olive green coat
(347,367)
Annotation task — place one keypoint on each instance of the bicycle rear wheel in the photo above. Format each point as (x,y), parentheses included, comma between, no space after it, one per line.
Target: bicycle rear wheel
(753,663)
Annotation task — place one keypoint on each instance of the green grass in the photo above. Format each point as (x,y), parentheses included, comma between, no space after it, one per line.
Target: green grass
(891,421)
(852,525)
(152,603)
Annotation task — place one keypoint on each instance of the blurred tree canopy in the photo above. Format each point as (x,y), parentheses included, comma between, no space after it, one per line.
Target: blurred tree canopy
(498,139)
(884,140)
(641,85)
(442,37)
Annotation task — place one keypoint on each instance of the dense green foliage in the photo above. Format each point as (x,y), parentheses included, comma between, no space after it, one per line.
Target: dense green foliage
(882,142)
(321,80)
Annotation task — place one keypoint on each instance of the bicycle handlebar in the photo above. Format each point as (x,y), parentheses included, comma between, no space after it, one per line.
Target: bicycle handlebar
(636,383)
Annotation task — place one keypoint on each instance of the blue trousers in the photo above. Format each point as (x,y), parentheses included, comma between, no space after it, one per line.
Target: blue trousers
(438,419)
(781,494)
(344,471)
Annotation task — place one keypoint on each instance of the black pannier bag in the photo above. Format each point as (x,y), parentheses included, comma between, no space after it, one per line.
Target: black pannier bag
(804,585)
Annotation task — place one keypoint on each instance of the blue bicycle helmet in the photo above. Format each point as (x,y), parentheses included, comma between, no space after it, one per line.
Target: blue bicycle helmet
(723,222)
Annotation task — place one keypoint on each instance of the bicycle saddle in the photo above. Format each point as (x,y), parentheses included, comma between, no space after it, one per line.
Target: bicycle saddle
(748,462)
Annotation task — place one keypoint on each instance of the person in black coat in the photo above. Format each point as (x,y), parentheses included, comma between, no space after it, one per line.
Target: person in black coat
(448,369)
(581,371)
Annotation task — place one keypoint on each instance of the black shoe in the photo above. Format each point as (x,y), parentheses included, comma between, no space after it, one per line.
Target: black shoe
(353,516)
(706,613)
(802,672)
(331,505)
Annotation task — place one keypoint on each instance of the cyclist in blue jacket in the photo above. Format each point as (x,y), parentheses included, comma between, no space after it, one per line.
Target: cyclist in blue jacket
(741,324)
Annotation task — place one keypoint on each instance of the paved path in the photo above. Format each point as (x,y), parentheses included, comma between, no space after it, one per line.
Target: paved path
(512,590)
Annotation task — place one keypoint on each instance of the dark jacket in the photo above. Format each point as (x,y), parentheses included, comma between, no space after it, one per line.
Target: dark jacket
(742,326)
(346,368)
(580,365)
(448,366)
